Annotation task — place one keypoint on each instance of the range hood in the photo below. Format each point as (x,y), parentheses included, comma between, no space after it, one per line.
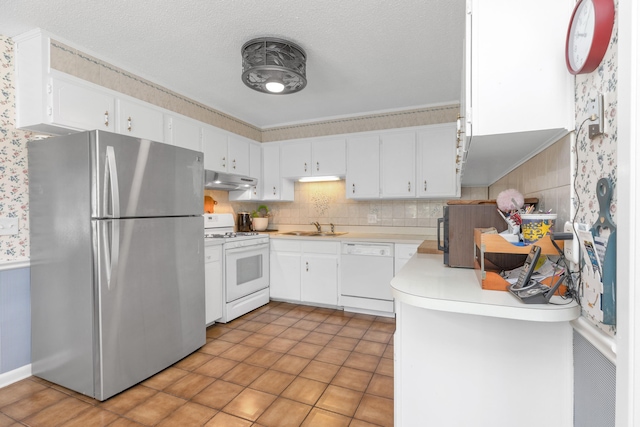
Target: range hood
(225,181)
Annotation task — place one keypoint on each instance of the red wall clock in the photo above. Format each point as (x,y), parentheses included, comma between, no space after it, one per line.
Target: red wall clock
(588,36)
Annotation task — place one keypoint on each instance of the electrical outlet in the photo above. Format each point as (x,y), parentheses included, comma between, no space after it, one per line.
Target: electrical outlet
(571,247)
(595,108)
(8,226)
(372,218)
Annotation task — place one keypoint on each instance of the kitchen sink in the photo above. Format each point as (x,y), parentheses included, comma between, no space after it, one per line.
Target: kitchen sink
(312,233)
(299,233)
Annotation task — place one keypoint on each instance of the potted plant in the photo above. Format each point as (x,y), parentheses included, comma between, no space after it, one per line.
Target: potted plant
(260,218)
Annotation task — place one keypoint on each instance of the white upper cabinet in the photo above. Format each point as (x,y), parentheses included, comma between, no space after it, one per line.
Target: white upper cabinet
(274,187)
(183,132)
(296,159)
(416,162)
(518,93)
(77,106)
(329,157)
(224,152)
(437,162)
(57,103)
(398,165)
(238,155)
(363,167)
(316,157)
(255,171)
(139,119)
(214,147)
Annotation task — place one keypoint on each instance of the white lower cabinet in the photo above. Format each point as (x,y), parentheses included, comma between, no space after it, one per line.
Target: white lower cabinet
(213,283)
(304,270)
(319,278)
(284,269)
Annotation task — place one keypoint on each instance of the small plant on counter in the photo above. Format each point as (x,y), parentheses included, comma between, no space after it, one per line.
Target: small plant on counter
(261,212)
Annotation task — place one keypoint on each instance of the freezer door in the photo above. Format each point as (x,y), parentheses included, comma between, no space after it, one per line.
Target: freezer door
(139,178)
(150,295)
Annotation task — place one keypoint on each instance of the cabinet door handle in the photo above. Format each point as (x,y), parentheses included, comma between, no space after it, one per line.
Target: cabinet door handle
(234,163)
(106,118)
(274,190)
(305,166)
(425,185)
(318,166)
(129,124)
(224,162)
(409,186)
(353,188)
(255,191)
(307,263)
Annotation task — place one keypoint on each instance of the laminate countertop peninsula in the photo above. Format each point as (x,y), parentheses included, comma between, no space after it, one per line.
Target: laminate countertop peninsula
(464,356)
(427,283)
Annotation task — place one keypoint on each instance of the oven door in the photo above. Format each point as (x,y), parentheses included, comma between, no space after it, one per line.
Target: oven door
(247,270)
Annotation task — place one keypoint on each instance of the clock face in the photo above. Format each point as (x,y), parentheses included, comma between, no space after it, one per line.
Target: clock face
(581,35)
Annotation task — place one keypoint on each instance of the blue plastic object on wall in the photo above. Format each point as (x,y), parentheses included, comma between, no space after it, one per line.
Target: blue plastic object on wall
(604,190)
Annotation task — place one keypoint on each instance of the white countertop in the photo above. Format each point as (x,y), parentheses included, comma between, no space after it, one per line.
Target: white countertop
(427,283)
(359,237)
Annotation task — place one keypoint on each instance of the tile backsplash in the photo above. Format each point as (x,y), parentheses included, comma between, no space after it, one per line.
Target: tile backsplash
(546,176)
(326,203)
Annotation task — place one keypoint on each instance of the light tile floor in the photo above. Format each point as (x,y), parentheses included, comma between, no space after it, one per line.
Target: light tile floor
(278,366)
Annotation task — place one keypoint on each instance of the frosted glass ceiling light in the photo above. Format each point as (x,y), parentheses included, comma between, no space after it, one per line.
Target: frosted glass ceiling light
(272,65)
(274,87)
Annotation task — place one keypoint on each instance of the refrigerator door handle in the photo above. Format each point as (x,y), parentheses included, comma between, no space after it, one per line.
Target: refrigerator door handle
(441,247)
(112,170)
(112,254)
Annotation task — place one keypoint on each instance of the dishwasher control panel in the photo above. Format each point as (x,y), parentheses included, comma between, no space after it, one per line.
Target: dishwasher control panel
(368,249)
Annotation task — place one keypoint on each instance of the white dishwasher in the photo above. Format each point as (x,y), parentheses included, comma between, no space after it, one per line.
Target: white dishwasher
(366,270)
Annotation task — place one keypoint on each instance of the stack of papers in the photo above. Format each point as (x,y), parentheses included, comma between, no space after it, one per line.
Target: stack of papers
(544,269)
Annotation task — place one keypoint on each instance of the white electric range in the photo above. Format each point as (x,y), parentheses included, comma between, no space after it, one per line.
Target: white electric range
(245,266)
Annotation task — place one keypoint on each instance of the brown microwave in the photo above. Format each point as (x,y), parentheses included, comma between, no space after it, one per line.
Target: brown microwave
(455,229)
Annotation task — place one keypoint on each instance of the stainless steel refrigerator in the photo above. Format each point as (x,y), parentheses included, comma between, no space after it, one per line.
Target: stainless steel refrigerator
(117,259)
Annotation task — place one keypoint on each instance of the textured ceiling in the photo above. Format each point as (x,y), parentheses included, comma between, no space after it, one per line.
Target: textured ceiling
(363,55)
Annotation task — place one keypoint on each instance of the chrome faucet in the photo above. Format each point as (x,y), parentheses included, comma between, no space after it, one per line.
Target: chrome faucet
(318,226)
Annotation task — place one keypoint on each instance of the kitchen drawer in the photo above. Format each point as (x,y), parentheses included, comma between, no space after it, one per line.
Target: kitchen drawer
(282,245)
(318,247)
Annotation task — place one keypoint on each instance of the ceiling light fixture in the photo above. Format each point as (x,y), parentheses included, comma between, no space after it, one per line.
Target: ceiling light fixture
(272,65)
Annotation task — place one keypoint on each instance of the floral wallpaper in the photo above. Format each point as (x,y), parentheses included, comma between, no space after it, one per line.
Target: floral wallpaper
(596,158)
(14,200)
